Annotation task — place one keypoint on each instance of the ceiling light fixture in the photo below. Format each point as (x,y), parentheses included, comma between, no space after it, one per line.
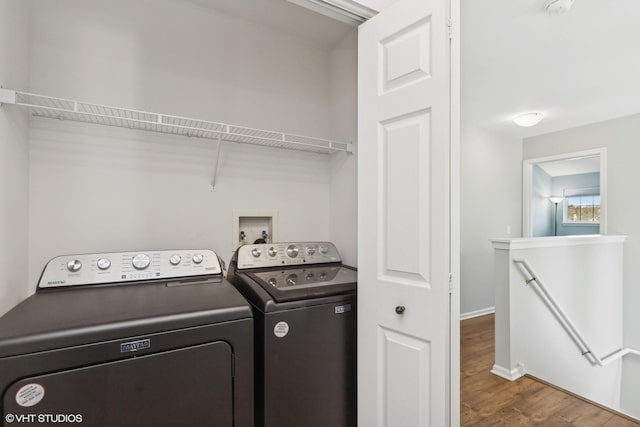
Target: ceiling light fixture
(558,7)
(528,119)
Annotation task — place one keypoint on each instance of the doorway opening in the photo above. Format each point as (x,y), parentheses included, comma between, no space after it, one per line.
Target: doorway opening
(565,194)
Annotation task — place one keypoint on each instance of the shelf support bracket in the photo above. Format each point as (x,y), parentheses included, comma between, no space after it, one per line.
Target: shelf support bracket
(7,96)
(215,166)
(350,148)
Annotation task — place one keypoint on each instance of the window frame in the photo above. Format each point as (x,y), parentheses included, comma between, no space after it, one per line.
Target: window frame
(579,192)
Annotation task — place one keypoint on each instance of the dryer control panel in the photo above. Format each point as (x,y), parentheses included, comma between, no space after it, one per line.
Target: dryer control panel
(120,267)
(279,254)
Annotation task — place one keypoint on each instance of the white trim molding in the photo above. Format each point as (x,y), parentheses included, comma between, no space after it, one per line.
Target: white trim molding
(555,241)
(477,313)
(347,11)
(509,374)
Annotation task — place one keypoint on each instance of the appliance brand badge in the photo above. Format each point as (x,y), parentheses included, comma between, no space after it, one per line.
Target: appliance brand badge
(343,308)
(56,282)
(127,347)
(281,329)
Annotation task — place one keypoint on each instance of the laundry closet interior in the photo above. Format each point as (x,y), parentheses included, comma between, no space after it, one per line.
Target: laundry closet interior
(74,187)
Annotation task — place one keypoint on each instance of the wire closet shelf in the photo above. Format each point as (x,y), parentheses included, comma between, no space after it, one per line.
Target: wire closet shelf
(67,109)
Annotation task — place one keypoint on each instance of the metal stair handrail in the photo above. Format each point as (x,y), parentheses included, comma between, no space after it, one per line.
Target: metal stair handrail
(564,320)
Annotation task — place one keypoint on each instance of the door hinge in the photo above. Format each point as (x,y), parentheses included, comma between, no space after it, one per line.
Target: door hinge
(450,283)
(450,28)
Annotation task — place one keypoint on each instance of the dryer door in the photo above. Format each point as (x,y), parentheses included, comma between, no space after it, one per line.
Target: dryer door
(188,386)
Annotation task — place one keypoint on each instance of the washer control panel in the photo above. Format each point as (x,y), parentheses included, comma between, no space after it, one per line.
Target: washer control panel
(119,267)
(279,254)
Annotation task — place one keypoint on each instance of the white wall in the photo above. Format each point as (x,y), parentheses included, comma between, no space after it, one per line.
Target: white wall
(541,214)
(344,172)
(491,188)
(177,58)
(14,155)
(530,339)
(102,189)
(620,137)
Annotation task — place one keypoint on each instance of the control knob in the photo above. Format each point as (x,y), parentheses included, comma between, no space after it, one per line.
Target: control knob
(175,259)
(141,261)
(74,265)
(197,258)
(291,280)
(323,250)
(311,250)
(256,252)
(104,263)
(292,251)
(272,251)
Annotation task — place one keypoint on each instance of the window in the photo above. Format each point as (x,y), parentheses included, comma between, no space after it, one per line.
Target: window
(582,206)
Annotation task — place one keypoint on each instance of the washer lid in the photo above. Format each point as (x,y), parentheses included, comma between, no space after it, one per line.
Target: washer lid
(288,284)
(73,316)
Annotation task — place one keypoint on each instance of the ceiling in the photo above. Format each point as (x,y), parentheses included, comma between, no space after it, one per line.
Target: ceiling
(577,68)
(575,166)
(284,16)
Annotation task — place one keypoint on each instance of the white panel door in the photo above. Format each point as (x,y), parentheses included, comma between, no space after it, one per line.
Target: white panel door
(404,161)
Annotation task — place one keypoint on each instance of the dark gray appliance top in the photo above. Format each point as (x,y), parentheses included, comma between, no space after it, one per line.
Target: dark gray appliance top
(312,281)
(292,279)
(291,273)
(291,287)
(78,315)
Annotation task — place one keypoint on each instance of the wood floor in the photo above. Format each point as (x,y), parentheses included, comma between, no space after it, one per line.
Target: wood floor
(488,400)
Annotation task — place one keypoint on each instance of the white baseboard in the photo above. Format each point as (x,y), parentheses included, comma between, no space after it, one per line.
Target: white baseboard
(477,313)
(507,374)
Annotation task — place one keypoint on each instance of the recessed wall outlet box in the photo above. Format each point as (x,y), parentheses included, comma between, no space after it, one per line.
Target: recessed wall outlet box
(251,225)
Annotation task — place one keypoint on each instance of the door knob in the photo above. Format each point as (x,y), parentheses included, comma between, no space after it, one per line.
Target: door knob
(400,309)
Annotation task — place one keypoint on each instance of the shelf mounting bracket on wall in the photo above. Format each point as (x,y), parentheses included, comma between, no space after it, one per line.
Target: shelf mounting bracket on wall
(7,96)
(215,166)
